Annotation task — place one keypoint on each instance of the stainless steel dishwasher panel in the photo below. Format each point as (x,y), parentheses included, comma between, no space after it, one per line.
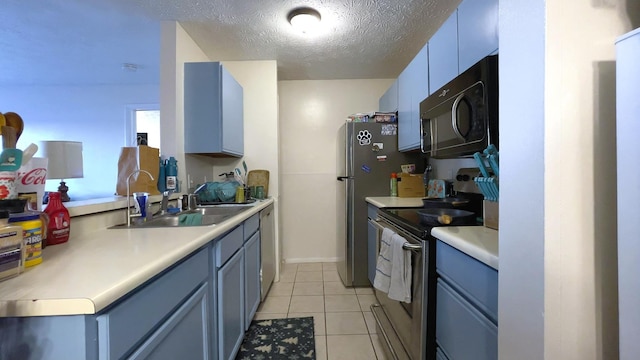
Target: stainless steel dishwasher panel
(267,250)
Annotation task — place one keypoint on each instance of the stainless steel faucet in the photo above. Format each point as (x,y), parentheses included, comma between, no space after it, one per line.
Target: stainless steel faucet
(192,198)
(129,214)
(164,204)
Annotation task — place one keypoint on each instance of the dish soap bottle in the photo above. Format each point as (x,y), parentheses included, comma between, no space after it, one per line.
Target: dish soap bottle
(59,226)
(394,184)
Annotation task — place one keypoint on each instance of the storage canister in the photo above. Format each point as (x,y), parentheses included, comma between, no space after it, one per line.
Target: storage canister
(31,234)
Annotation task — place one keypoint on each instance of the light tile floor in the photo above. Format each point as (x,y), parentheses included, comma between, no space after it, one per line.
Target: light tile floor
(344,325)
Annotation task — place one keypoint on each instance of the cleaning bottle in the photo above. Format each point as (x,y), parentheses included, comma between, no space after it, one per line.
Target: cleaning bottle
(59,226)
(394,184)
(171,174)
(162,182)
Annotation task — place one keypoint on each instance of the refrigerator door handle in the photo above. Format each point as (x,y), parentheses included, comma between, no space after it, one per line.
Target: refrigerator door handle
(342,178)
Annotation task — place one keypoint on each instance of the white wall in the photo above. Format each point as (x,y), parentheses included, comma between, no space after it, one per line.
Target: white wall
(521,275)
(259,80)
(176,48)
(94,115)
(311,113)
(557,291)
(260,90)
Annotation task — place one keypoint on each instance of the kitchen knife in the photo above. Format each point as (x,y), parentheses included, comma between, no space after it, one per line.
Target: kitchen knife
(481,165)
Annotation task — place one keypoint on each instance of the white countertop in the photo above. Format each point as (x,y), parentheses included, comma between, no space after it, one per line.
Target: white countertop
(86,274)
(478,242)
(393,201)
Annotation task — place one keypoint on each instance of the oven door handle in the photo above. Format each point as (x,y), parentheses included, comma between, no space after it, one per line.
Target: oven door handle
(376,224)
(406,246)
(411,247)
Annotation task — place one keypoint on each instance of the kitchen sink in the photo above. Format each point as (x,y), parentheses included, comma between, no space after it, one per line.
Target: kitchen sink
(211,215)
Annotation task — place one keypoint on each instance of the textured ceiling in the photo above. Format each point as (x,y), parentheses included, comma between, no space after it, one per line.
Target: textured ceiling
(81,41)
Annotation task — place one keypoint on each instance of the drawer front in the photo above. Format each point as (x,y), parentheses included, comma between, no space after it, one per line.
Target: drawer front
(463,332)
(251,226)
(473,279)
(121,327)
(372,211)
(228,245)
(185,335)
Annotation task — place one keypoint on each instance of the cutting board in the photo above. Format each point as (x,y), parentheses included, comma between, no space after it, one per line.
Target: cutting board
(259,178)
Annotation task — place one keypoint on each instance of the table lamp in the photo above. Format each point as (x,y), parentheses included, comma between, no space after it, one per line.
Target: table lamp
(65,162)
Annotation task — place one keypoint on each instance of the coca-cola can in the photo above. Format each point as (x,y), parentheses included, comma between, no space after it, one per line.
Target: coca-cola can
(31,178)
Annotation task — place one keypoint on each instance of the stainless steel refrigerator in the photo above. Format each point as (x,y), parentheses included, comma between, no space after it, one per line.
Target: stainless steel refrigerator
(367,155)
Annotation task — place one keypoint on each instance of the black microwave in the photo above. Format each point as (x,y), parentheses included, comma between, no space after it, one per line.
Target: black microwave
(461,117)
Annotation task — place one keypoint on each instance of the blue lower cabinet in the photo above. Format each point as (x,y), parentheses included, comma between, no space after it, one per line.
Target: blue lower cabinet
(184,335)
(463,332)
(198,308)
(231,306)
(252,277)
(473,279)
(121,328)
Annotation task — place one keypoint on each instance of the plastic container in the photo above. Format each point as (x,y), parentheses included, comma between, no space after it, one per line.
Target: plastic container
(393,185)
(31,234)
(11,248)
(240,194)
(59,227)
(171,174)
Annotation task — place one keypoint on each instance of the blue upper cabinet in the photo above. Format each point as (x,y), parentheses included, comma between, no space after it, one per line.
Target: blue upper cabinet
(413,87)
(443,54)
(477,31)
(389,101)
(213,111)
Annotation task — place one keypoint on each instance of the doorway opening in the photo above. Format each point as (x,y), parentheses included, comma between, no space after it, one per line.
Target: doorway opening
(143,125)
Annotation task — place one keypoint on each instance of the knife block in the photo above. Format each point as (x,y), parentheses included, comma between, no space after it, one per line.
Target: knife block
(490,214)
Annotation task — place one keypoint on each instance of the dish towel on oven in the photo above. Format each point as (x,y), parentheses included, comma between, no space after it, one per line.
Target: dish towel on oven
(382,279)
(400,286)
(393,268)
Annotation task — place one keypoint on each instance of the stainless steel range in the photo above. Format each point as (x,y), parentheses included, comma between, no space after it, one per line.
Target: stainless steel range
(408,329)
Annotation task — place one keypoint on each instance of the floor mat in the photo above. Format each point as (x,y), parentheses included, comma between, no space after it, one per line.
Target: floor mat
(279,339)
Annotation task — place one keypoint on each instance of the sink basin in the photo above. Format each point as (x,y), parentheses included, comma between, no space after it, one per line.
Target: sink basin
(211,215)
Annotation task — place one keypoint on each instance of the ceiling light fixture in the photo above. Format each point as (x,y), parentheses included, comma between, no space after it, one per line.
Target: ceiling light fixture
(304,19)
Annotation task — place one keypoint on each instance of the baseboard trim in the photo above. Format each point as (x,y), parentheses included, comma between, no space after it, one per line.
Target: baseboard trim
(311,260)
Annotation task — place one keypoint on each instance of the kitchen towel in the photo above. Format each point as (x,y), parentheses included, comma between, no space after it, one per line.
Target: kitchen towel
(400,284)
(190,219)
(383,266)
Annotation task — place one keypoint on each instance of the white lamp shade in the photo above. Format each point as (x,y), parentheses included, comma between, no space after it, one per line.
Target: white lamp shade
(65,158)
